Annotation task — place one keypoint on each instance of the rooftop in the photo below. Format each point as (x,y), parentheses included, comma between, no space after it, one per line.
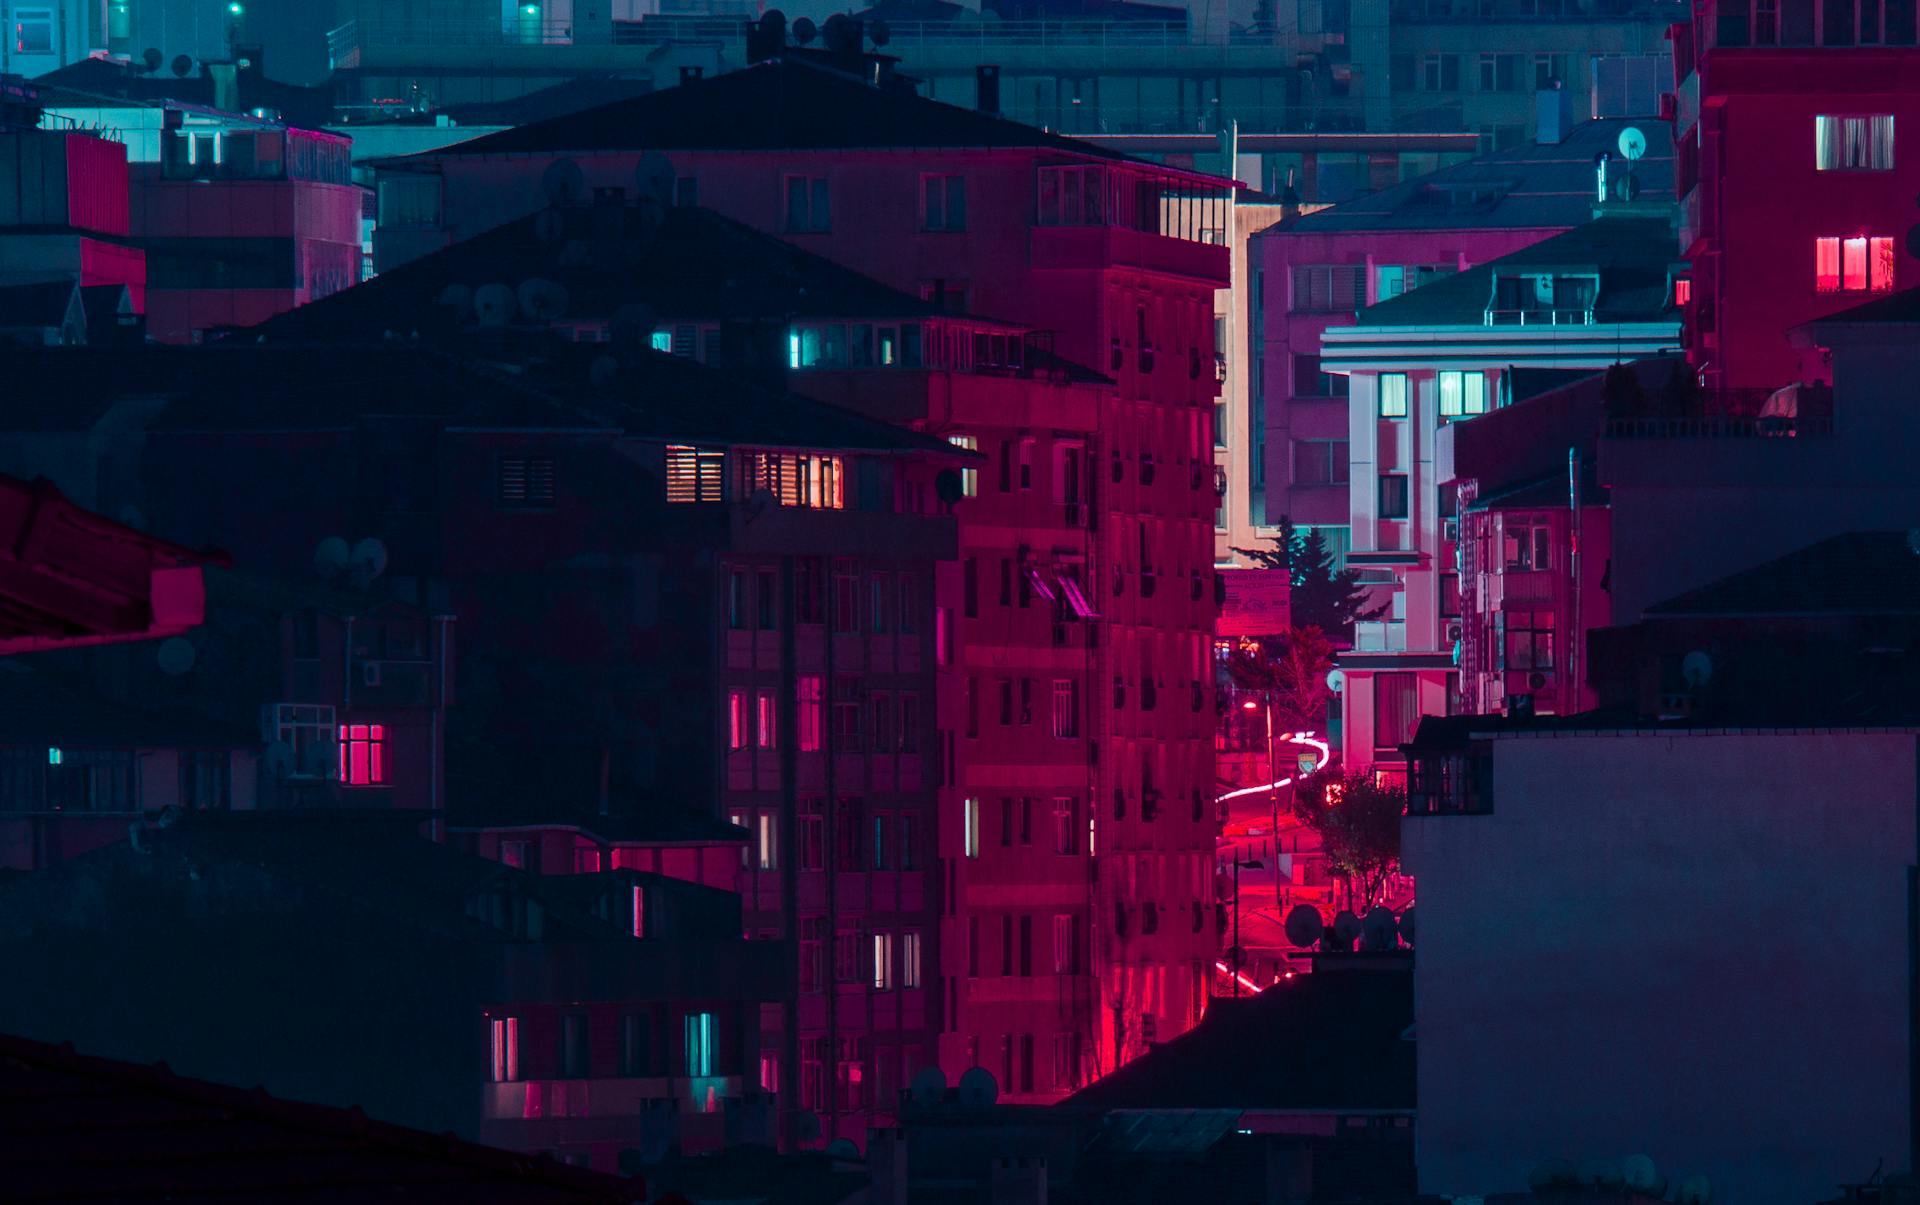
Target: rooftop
(1532,186)
(1633,258)
(781,104)
(1857,574)
(174,1138)
(107,80)
(42,706)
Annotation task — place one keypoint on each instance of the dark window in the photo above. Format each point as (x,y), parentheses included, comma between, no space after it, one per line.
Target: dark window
(1309,381)
(1393,495)
(636,1044)
(525,481)
(1320,462)
(1526,639)
(222,263)
(807,206)
(573,1061)
(1396,710)
(206,779)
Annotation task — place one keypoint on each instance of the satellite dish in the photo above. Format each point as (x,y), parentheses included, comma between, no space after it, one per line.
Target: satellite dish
(542,300)
(929,1086)
(1304,925)
(1536,681)
(1346,927)
(1633,143)
(563,182)
(949,486)
(977,1087)
(1552,1173)
(843,1148)
(331,556)
(176,656)
(1406,925)
(1603,1173)
(320,760)
(182,65)
(804,31)
(879,33)
(806,1127)
(1697,668)
(456,297)
(841,33)
(1638,1173)
(1694,1190)
(1336,680)
(369,560)
(1379,930)
(495,304)
(152,57)
(1626,187)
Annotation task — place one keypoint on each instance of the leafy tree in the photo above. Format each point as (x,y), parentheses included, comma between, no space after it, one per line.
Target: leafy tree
(1358,821)
(1322,597)
(1290,671)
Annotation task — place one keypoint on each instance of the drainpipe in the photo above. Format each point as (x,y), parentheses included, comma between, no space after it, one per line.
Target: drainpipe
(1573,568)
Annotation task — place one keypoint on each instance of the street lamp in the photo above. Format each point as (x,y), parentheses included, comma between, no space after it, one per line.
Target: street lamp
(1273,770)
(1239,953)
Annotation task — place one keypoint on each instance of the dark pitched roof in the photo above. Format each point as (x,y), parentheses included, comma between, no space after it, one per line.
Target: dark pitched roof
(1532,186)
(561,100)
(543,786)
(1634,257)
(1895,309)
(174,1138)
(46,304)
(1860,573)
(697,265)
(1328,1040)
(782,104)
(107,79)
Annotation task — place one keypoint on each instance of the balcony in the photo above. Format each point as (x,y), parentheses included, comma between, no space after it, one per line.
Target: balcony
(1720,427)
(1572,317)
(533,1100)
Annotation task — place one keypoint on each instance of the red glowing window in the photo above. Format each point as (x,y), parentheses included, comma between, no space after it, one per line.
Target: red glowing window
(639,911)
(1682,292)
(363,754)
(1853,265)
(505,1034)
(737,722)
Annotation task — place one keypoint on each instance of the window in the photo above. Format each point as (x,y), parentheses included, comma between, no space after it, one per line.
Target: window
(1396,710)
(1449,596)
(846,598)
(736,599)
(1462,393)
(846,956)
(636,1044)
(206,779)
(766,599)
(943,202)
(1065,831)
(809,691)
(1063,960)
(1440,73)
(1526,639)
(1853,265)
(765,732)
(409,201)
(794,479)
(766,842)
(737,722)
(969,477)
(970,588)
(518,854)
(505,1041)
(1853,143)
(808,210)
(910,959)
(813,834)
(883,962)
(573,1046)
(1309,381)
(1066,708)
(1393,395)
(973,828)
(1073,196)
(695,474)
(1393,495)
(525,481)
(363,754)
(884,739)
(1528,545)
(637,911)
(699,1037)
(1329,287)
(1320,462)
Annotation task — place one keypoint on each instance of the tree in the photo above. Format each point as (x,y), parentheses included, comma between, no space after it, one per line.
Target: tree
(1322,597)
(1358,821)
(1289,671)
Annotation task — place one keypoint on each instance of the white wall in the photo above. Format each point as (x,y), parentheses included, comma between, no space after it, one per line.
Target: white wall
(1689,946)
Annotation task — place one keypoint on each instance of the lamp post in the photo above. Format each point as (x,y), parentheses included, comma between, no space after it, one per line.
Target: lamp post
(1273,770)
(1239,952)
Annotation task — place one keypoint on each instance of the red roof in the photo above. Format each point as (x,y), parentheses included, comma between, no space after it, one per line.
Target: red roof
(73,1127)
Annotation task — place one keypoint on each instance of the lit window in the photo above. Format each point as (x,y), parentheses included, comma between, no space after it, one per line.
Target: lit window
(639,911)
(1853,265)
(1853,143)
(695,474)
(363,754)
(586,861)
(1682,292)
(663,341)
(973,828)
(517,854)
(505,1035)
(1462,393)
(811,693)
(882,962)
(765,731)
(1063,943)
(699,1037)
(736,720)
(33,31)
(767,841)
(1529,546)
(969,478)
(794,480)
(1393,395)
(1066,708)
(910,959)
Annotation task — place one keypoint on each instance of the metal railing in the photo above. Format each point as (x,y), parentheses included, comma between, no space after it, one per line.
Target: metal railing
(1720,427)
(1539,317)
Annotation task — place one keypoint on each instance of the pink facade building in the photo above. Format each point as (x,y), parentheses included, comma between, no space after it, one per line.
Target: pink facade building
(985,216)
(1796,177)
(1314,272)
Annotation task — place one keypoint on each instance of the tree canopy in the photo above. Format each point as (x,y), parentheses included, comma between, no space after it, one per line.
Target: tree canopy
(1358,821)
(1321,596)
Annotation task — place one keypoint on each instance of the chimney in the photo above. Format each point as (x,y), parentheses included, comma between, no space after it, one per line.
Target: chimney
(1019,1180)
(887,1166)
(1552,113)
(1289,1174)
(986,78)
(226,86)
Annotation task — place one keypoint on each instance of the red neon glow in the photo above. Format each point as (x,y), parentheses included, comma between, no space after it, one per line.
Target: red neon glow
(363,754)
(1298,738)
(1245,982)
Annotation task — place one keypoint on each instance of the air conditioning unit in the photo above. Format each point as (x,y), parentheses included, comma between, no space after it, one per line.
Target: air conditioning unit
(1450,530)
(1454,630)
(370,673)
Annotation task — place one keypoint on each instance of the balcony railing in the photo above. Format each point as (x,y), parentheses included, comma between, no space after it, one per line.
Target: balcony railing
(1539,317)
(1719,427)
(535,1099)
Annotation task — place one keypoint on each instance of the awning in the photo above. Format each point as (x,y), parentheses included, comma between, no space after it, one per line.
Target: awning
(1040,585)
(1076,597)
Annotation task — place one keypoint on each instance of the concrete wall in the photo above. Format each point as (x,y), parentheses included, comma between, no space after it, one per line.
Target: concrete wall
(1692,946)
